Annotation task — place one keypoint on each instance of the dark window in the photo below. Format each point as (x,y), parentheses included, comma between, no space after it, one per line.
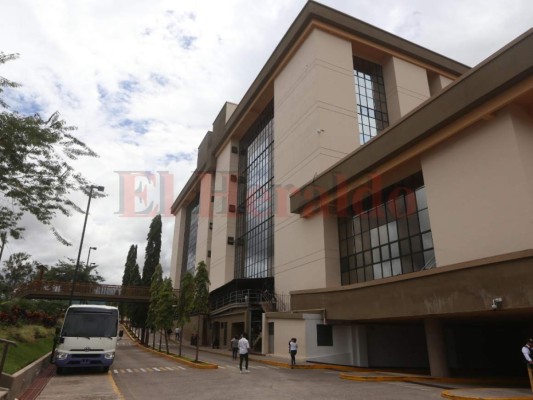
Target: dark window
(324,335)
(371,99)
(255,198)
(388,239)
(90,323)
(189,255)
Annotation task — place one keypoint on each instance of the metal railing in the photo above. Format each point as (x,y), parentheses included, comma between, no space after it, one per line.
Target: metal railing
(6,344)
(62,290)
(274,302)
(238,297)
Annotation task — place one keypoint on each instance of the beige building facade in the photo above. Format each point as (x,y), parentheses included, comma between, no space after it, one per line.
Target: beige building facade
(373,199)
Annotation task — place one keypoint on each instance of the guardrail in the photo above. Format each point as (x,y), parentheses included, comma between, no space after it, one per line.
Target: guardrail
(6,344)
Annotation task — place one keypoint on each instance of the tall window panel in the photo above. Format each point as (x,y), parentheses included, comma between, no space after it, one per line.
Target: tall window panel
(388,239)
(371,100)
(191,234)
(255,197)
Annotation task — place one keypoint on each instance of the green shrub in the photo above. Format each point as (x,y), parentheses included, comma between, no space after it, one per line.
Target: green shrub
(24,311)
(25,334)
(41,332)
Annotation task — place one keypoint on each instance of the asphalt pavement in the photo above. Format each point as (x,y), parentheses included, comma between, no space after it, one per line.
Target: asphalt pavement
(90,385)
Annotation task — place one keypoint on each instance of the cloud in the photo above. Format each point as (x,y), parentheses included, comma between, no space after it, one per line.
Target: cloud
(144,81)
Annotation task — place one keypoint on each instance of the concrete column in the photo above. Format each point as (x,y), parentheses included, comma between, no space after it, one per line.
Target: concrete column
(265,333)
(360,345)
(438,364)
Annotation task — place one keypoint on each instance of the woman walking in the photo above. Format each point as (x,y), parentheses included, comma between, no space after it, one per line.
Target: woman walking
(293,349)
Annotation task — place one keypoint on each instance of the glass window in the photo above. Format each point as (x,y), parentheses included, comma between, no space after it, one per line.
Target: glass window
(191,235)
(255,195)
(370,98)
(386,243)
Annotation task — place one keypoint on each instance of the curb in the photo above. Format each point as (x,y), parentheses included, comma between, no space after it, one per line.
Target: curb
(448,394)
(172,357)
(415,378)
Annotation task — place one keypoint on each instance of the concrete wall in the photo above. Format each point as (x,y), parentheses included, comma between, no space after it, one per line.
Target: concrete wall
(480,191)
(285,328)
(339,353)
(176,260)
(406,87)
(203,239)
(447,290)
(225,194)
(21,380)
(437,82)
(315,126)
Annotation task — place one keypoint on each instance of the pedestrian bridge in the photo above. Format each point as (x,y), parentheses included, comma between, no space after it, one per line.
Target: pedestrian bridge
(83,291)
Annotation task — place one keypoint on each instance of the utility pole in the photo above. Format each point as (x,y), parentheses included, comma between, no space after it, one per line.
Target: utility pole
(91,188)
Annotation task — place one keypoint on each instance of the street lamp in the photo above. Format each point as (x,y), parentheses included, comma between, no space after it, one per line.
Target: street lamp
(91,188)
(88,255)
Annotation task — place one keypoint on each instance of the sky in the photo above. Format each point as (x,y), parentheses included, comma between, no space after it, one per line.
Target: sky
(143,82)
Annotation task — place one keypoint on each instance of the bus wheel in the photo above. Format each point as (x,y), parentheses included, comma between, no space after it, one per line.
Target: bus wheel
(105,369)
(60,370)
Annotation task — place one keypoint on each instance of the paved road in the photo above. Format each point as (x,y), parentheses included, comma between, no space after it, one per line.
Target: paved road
(139,374)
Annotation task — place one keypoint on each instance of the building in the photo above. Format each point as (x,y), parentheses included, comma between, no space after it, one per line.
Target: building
(373,199)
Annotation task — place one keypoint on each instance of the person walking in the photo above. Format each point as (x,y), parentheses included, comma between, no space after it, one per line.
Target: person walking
(526,351)
(244,348)
(234,347)
(177,332)
(293,349)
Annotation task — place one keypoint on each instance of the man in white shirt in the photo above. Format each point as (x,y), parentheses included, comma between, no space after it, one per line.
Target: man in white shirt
(244,348)
(526,351)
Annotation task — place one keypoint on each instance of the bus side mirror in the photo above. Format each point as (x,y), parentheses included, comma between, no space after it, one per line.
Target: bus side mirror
(61,340)
(120,333)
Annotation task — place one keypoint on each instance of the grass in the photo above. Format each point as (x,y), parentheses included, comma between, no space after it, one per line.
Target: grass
(33,342)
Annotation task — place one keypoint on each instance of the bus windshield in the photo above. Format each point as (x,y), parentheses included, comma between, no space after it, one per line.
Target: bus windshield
(90,323)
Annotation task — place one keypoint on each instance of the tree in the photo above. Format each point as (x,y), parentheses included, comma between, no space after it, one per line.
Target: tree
(18,269)
(128,278)
(155,287)
(131,260)
(153,249)
(135,310)
(151,259)
(165,308)
(35,175)
(201,294)
(63,271)
(185,303)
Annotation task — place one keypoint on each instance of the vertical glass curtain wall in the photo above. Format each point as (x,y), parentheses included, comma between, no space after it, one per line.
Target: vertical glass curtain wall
(387,239)
(371,100)
(189,255)
(255,200)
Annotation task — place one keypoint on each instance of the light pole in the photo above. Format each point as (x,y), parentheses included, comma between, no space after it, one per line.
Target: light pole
(88,255)
(91,188)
